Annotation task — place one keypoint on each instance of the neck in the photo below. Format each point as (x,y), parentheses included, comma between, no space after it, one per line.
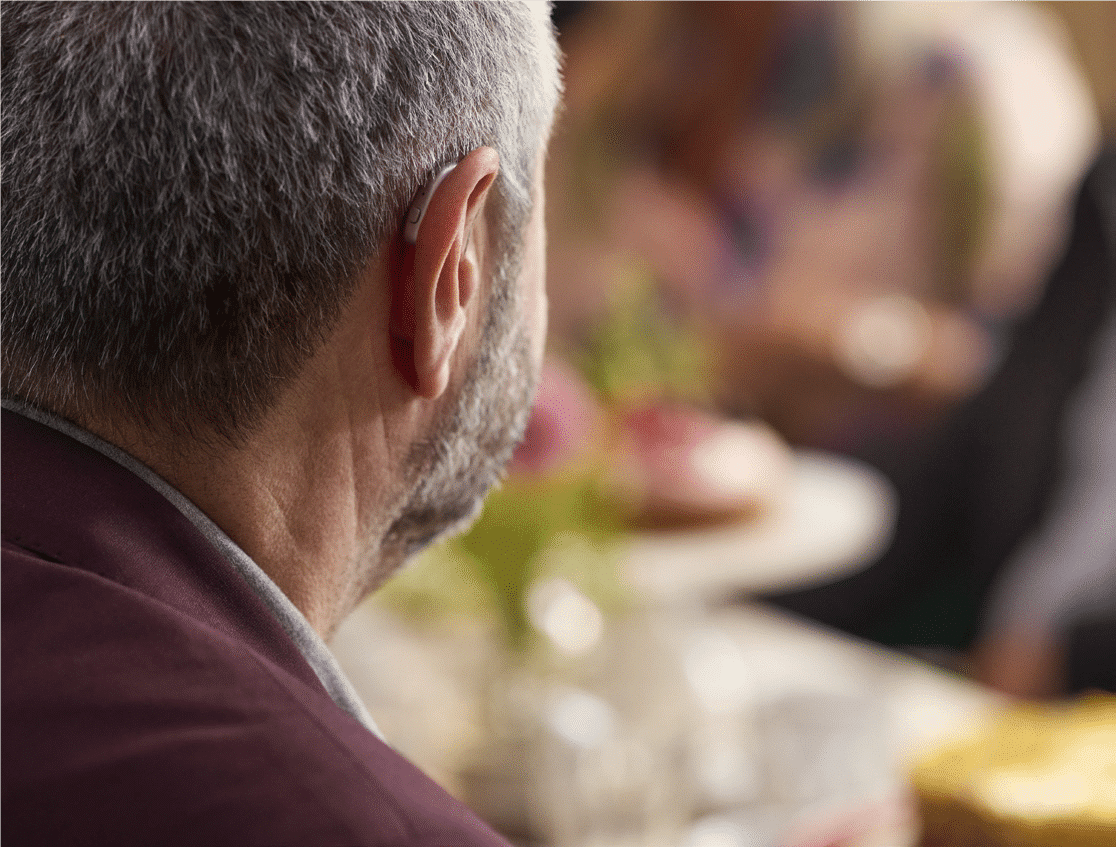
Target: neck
(311,491)
(288,496)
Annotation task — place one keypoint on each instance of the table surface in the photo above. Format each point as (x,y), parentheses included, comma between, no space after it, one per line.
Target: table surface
(796,728)
(872,710)
(923,704)
(889,708)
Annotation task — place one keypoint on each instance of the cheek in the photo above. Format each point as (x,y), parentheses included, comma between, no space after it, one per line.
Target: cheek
(543,309)
(534,280)
(539,317)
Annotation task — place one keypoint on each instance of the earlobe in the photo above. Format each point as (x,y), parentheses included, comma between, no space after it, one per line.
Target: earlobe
(434,279)
(401,319)
(438,331)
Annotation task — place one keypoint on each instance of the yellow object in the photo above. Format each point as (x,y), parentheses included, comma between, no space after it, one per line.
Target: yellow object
(1037,775)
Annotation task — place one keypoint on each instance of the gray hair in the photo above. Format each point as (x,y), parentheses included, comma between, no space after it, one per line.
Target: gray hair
(190,189)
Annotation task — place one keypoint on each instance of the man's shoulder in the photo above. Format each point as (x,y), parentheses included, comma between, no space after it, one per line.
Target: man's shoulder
(127,721)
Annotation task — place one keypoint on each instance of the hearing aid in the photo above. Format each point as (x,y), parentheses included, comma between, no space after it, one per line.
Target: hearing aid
(419,205)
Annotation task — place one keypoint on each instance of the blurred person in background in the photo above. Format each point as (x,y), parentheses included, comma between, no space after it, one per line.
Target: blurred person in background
(255,357)
(811,187)
(1006,540)
(1004,558)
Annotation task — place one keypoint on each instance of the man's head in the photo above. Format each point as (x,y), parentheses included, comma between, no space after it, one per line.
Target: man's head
(203,259)
(191,190)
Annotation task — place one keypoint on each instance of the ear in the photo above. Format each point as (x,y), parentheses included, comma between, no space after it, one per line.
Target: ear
(434,282)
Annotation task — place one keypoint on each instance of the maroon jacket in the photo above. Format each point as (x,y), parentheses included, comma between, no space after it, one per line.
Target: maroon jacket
(149,696)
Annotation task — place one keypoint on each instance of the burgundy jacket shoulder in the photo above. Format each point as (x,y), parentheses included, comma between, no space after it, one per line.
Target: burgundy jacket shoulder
(150,697)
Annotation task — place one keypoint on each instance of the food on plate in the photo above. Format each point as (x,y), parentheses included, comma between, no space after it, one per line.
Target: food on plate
(677,467)
(1036,775)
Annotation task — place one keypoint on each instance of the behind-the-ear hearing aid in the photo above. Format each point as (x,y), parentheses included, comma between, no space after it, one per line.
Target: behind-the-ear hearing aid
(417,212)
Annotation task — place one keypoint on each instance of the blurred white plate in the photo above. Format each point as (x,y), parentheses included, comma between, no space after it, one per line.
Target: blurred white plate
(833,516)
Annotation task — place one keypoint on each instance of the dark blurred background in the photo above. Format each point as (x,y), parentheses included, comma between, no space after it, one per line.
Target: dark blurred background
(864,225)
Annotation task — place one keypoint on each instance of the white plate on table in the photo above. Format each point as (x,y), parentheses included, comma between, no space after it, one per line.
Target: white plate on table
(831,518)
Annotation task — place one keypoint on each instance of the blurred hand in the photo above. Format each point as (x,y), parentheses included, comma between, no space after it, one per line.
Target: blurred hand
(1020,664)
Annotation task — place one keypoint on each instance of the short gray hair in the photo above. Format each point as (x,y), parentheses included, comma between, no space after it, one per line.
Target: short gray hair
(190,189)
